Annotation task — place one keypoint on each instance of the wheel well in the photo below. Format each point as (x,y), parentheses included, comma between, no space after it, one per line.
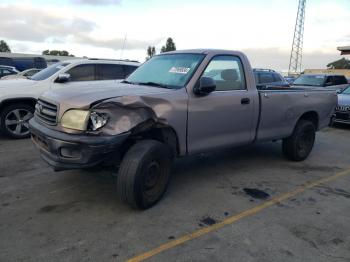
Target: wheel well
(28,101)
(310,116)
(164,134)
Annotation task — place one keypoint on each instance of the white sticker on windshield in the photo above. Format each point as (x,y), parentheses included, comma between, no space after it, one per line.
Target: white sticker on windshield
(319,77)
(179,70)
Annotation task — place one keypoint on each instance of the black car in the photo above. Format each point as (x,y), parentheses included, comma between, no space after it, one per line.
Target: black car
(7,70)
(268,77)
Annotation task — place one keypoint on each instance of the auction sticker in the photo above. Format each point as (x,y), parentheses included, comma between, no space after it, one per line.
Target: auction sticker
(179,70)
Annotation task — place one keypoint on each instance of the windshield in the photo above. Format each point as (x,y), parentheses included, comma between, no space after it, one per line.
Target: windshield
(309,80)
(170,71)
(49,71)
(346,91)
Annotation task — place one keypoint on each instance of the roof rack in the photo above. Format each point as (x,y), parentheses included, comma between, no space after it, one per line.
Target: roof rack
(108,59)
(264,69)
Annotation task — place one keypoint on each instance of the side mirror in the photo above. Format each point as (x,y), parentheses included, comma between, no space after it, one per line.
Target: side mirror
(205,86)
(329,83)
(63,78)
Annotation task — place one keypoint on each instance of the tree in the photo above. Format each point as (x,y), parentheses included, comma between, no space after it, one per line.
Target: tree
(56,52)
(169,46)
(340,64)
(151,51)
(4,47)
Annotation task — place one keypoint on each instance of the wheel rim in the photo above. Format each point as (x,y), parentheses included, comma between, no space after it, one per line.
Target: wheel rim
(16,121)
(154,180)
(305,142)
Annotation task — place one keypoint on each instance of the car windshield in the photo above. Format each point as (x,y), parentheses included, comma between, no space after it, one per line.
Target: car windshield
(49,71)
(346,91)
(168,71)
(309,80)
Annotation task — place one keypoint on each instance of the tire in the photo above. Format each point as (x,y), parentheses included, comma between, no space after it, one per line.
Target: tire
(14,120)
(144,174)
(299,145)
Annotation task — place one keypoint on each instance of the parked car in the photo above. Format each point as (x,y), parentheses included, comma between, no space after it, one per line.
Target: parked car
(18,96)
(171,106)
(328,81)
(290,79)
(268,77)
(23,63)
(342,111)
(22,75)
(7,71)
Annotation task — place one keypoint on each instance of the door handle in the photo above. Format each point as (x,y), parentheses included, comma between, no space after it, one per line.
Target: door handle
(245,101)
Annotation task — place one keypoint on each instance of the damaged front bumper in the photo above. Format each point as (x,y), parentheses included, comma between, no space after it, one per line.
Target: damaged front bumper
(64,151)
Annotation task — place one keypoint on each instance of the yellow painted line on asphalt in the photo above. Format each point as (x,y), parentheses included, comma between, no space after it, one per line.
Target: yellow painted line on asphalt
(235,218)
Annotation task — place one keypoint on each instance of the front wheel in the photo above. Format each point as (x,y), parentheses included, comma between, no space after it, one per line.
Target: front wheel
(298,146)
(144,174)
(14,120)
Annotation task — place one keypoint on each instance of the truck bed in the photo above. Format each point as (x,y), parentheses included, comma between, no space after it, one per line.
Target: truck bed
(280,109)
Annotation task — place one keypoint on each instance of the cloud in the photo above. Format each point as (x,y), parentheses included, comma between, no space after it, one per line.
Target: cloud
(37,25)
(275,58)
(97,2)
(114,43)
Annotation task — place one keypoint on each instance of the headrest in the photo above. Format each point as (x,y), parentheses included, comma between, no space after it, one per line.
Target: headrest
(229,75)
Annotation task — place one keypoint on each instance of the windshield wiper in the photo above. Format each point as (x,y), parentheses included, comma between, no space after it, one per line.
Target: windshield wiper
(127,82)
(153,84)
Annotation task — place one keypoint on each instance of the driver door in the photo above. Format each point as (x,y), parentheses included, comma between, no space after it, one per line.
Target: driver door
(225,116)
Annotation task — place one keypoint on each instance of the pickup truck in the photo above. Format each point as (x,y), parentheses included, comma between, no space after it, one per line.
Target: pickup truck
(176,104)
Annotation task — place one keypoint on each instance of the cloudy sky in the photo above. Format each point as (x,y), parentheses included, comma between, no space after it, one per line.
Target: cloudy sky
(97,28)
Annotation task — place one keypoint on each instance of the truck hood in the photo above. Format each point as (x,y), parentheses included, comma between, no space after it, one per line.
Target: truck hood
(84,96)
(343,100)
(17,83)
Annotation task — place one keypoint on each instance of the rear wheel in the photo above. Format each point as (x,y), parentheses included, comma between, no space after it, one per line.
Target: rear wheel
(14,120)
(144,174)
(298,146)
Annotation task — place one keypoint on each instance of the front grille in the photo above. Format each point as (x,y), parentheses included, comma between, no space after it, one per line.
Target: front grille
(342,108)
(46,112)
(342,116)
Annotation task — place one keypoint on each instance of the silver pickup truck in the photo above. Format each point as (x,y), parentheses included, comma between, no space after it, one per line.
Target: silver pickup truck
(175,104)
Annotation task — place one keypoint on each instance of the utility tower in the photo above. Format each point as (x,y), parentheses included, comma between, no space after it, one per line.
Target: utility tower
(297,46)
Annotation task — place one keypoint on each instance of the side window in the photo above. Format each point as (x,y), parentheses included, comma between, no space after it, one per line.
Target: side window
(129,69)
(82,73)
(265,78)
(227,72)
(340,80)
(329,80)
(109,72)
(277,77)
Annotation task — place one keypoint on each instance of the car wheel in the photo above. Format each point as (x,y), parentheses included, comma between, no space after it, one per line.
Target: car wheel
(144,174)
(298,146)
(14,120)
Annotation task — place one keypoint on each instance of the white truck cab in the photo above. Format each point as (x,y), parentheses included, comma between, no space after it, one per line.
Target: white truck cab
(18,96)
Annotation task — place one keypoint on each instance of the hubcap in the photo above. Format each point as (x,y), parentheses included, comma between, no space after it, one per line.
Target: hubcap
(305,142)
(152,175)
(16,121)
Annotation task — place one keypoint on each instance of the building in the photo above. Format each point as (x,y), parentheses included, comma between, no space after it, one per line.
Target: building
(50,59)
(344,50)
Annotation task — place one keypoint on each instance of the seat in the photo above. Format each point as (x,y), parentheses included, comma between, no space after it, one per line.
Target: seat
(230,81)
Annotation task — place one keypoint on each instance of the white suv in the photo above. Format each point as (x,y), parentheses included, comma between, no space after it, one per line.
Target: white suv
(18,97)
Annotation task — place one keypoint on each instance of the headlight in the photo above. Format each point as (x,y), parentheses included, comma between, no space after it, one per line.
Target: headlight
(98,120)
(75,119)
